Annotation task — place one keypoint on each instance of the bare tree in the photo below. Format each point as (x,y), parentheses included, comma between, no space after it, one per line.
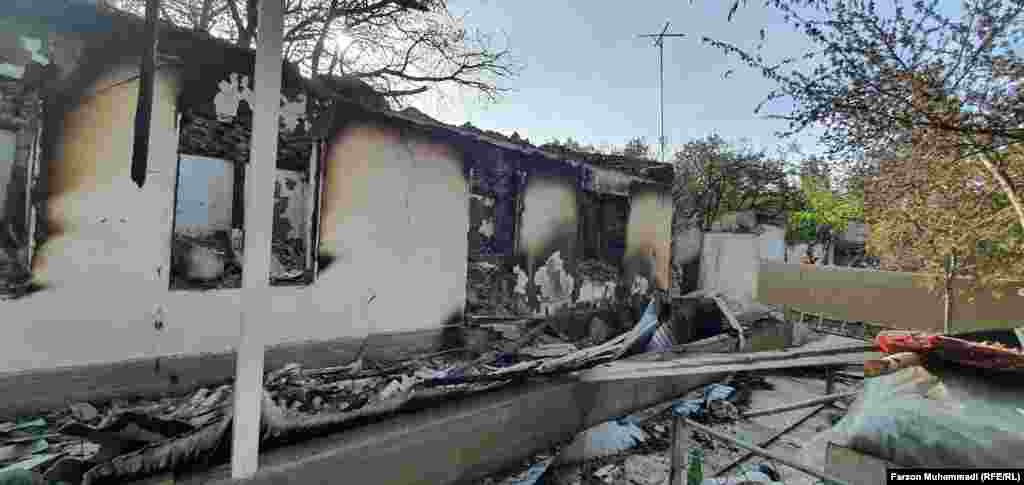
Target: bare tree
(401,48)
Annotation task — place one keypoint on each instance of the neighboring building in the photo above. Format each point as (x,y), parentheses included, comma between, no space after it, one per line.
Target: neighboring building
(735,247)
(386,223)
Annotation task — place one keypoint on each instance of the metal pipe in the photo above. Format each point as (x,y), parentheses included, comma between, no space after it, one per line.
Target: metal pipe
(769,441)
(678,458)
(757,450)
(799,405)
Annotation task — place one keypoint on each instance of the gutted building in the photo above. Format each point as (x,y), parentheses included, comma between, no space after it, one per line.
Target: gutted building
(389,227)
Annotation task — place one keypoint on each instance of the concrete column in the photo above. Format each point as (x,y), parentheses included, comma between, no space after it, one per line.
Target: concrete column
(259,213)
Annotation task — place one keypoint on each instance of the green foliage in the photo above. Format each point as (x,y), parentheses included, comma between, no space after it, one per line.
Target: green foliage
(802,226)
(715,177)
(825,209)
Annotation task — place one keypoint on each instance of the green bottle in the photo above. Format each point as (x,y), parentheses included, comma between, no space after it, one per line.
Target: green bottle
(694,470)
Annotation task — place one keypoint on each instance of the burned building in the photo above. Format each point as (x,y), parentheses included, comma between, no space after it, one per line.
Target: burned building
(387,223)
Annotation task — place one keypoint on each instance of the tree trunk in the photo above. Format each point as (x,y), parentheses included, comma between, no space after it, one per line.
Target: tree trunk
(1007,187)
(947,314)
(247,32)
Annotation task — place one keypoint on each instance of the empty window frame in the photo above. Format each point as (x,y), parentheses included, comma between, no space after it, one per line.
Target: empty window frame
(602,228)
(20,128)
(494,210)
(208,235)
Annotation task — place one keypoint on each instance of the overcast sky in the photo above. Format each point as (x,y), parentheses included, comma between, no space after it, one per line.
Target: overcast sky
(588,76)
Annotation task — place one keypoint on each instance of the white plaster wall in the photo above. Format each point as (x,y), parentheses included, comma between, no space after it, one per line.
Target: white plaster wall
(395,216)
(549,208)
(649,234)
(729,262)
(773,243)
(106,261)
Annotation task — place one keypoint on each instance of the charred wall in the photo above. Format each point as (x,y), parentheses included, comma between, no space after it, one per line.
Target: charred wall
(584,238)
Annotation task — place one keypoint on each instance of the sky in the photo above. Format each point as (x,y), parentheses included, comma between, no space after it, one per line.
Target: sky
(587,76)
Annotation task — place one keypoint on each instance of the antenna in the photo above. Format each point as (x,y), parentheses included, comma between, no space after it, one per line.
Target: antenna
(658,42)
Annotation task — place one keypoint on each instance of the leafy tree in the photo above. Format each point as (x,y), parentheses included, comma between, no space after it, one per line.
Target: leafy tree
(401,48)
(925,211)
(827,211)
(916,76)
(714,178)
(934,101)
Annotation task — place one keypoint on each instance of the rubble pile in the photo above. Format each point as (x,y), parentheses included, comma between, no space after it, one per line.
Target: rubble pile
(719,406)
(490,290)
(93,443)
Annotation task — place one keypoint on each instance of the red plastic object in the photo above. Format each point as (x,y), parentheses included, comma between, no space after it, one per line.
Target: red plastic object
(896,341)
(974,354)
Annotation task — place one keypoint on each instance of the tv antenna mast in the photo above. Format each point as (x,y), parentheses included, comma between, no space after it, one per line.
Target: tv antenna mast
(660,44)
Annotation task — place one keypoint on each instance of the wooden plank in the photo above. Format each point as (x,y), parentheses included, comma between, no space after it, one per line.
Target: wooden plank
(604,374)
(757,450)
(746,358)
(678,457)
(743,362)
(735,324)
(798,405)
(259,220)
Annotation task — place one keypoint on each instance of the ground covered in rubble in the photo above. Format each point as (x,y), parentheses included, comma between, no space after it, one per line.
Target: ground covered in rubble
(648,462)
(112,442)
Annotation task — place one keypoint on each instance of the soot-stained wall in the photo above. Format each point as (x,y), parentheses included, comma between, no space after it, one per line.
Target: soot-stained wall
(394,221)
(394,216)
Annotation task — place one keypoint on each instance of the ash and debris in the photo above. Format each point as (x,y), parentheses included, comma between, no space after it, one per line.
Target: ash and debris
(99,442)
(597,270)
(649,462)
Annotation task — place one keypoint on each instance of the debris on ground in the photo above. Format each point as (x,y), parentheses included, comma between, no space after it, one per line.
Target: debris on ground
(88,443)
(714,395)
(606,473)
(762,474)
(548,350)
(717,406)
(605,439)
(647,469)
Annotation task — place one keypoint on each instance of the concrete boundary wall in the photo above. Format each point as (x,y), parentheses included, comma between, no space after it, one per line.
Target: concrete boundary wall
(892,299)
